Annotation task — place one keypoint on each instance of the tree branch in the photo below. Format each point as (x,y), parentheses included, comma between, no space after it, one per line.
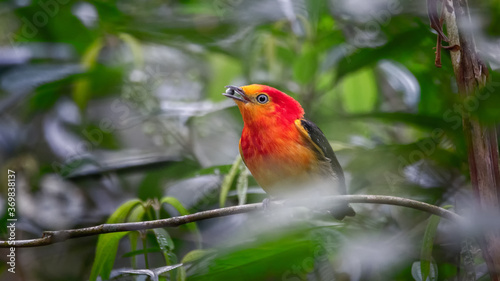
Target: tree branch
(51,237)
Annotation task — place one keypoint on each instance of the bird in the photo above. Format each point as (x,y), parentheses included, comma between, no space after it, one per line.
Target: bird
(287,154)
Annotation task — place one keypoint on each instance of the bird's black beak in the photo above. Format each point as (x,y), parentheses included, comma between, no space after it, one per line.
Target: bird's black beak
(233,90)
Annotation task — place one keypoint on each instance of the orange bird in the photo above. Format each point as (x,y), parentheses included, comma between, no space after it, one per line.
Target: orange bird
(287,154)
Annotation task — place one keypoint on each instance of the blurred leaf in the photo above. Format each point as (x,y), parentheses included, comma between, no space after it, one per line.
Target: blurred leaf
(106,140)
(242,184)
(434,95)
(181,276)
(195,255)
(416,272)
(105,81)
(427,245)
(306,65)
(359,91)
(228,181)
(82,91)
(402,43)
(486,103)
(140,251)
(135,47)
(178,32)
(61,27)
(107,244)
(153,184)
(45,97)
(426,122)
(220,169)
(272,259)
(223,70)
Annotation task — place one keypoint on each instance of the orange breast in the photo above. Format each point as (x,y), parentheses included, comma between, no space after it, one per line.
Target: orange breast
(277,157)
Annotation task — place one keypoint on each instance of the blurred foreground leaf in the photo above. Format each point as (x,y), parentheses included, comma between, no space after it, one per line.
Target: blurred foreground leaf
(427,245)
(268,260)
(416,272)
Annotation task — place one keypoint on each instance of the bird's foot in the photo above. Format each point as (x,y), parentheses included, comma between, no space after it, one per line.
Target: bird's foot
(266,204)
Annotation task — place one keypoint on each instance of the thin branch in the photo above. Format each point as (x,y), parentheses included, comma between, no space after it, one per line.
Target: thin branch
(51,237)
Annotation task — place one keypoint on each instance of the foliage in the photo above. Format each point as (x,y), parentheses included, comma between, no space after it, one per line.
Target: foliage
(103,102)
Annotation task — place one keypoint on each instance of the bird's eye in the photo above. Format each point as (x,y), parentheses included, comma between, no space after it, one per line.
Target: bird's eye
(262,98)
(229,91)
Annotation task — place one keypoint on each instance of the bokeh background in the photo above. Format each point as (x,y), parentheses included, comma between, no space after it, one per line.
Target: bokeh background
(102,102)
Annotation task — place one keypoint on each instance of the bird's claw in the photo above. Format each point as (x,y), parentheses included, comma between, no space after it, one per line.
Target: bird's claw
(266,204)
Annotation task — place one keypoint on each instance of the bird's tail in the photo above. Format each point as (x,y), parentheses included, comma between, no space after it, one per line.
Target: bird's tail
(341,211)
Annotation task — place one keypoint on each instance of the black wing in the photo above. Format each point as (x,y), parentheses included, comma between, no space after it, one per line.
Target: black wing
(320,142)
(324,148)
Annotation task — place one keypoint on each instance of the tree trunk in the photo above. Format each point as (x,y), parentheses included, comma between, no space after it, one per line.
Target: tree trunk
(471,75)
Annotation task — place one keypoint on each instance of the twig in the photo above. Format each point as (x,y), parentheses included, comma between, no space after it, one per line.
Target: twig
(51,237)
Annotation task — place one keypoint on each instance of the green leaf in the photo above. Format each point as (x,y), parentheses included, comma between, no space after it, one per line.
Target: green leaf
(89,59)
(166,245)
(107,244)
(223,70)
(135,47)
(359,91)
(400,44)
(195,255)
(136,214)
(263,260)
(426,122)
(228,181)
(181,275)
(219,169)
(140,251)
(178,206)
(153,183)
(164,240)
(82,91)
(427,245)
(121,214)
(242,184)
(105,139)
(416,272)
(305,66)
